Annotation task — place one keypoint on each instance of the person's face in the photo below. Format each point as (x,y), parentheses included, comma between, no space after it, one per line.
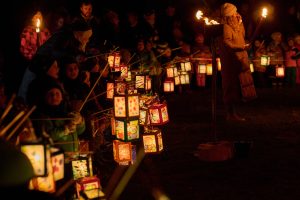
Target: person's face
(86,10)
(54,97)
(257,43)
(72,71)
(199,39)
(53,70)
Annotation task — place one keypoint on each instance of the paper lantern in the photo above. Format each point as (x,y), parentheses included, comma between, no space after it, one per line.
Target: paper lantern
(158,114)
(57,160)
(122,151)
(209,69)
(152,141)
(177,80)
(129,77)
(201,69)
(36,152)
(114,61)
(133,157)
(127,130)
(219,66)
(265,60)
(251,68)
(280,71)
(46,183)
(169,85)
(184,78)
(201,78)
(124,71)
(143,82)
(185,66)
(113,126)
(81,168)
(144,119)
(90,186)
(126,106)
(120,87)
(110,90)
(171,71)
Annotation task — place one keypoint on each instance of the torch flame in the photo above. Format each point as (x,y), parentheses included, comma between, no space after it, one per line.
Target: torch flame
(199,14)
(38,24)
(264,12)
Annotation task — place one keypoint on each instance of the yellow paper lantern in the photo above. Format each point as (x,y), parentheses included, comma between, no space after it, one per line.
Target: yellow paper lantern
(152,141)
(219,66)
(114,61)
(209,69)
(265,60)
(201,69)
(126,106)
(171,71)
(122,151)
(177,80)
(251,67)
(143,82)
(169,85)
(127,130)
(184,78)
(185,66)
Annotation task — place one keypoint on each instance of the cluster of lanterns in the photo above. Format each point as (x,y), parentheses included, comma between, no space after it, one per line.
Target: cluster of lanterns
(136,114)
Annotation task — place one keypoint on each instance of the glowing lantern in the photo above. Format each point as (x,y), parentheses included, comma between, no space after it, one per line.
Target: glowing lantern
(81,168)
(172,71)
(158,114)
(201,69)
(169,85)
(127,130)
(122,151)
(143,82)
(265,60)
(251,67)
(133,157)
(209,69)
(36,152)
(114,61)
(129,77)
(90,186)
(46,183)
(201,80)
(144,119)
(219,64)
(280,71)
(110,90)
(124,71)
(126,106)
(184,78)
(185,66)
(120,87)
(57,160)
(177,80)
(152,140)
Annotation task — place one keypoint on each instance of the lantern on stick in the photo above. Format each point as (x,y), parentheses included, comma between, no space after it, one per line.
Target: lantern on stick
(126,106)
(185,66)
(280,71)
(113,60)
(152,140)
(127,130)
(122,151)
(36,152)
(90,186)
(158,114)
(264,13)
(265,60)
(110,90)
(177,80)
(169,85)
(201,69)
(209,69)
(124,71)
(171,71)
(184,78)
(57,160)
(80,168)
(219,65)
(143,82)
(144,119)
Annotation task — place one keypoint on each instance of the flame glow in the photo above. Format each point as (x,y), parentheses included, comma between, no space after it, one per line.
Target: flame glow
(264,12)
(38,24)
(199,14)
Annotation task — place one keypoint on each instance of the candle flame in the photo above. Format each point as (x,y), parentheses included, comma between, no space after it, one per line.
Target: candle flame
(264,12)
(38,24)
(199,14)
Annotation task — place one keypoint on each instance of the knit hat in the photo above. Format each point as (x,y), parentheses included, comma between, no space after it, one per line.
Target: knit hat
(228,9)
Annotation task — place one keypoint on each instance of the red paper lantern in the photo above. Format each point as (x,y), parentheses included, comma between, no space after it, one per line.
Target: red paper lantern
(158,114)
(90,186)
(201,80)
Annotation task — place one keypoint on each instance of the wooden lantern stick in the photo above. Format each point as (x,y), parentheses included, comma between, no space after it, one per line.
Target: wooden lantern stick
(21,122)
(8,107)
(5,129)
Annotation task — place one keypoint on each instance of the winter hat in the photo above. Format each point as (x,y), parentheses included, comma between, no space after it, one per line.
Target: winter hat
(228,9)
(40,64)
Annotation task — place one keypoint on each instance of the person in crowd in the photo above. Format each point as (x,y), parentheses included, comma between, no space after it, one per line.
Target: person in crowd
(33,36)
(234,59)
(290,63)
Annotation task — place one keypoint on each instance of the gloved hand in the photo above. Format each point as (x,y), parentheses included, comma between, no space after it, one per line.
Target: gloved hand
(76,117)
